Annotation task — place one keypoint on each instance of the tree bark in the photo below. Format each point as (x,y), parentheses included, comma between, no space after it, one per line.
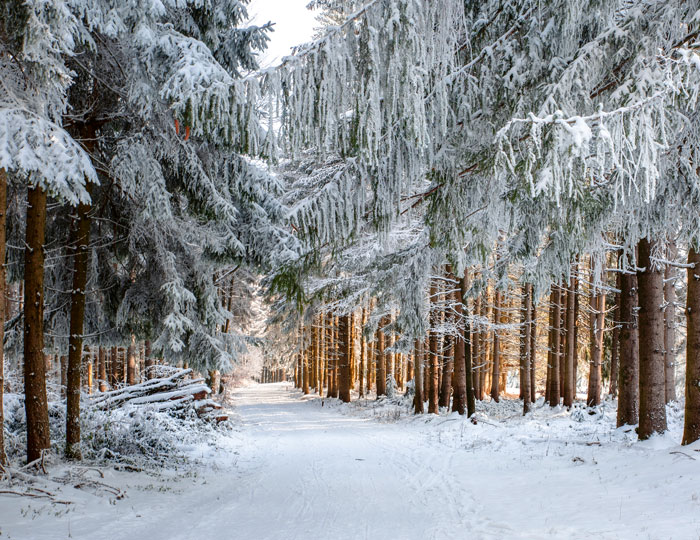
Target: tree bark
(459,399)
(102,362)
(525,352)
(496,367)
(79,248)
(418,377)
(381,360)
(670,326)
(3,306)
(615,346)
(131,362)
(36,404)
(652,383)
(597,326)
(691,429)
(433,378)
(344,375)
(533,348)
(305,375)
(568,361)
(476,353)
(149,362)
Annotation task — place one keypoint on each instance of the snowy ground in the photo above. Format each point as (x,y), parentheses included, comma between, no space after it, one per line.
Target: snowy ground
(299,468)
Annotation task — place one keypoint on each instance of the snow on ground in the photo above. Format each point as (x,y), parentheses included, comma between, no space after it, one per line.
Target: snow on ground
(302,467)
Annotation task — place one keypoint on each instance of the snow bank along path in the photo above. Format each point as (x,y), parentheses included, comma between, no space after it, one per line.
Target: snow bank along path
(300,470)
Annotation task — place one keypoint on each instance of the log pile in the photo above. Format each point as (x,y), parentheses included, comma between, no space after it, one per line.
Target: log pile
(173,390)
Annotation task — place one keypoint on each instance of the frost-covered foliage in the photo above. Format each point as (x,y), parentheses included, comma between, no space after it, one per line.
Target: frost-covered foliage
(136,435)
(151,103)
(429,132)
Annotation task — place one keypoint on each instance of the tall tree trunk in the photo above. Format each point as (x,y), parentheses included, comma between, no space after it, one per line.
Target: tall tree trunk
(36,404)
(150,361)
(305,375)
(525,352)
(476,352)
(652,383)
(670,325)
(344,371)
(468,353)
(597,328)
(102,362)
(615,346)
(691,430)
(459,400)
(381,360)
(553,392)
(569,390)
(496,368)
(418,377)
(3,306)
(131,362)
(114,367)
(80,249)
(533,348)
(433,378)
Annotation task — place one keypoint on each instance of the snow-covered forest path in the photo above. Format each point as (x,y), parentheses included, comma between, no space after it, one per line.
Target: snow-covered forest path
(336,476)
(300,468)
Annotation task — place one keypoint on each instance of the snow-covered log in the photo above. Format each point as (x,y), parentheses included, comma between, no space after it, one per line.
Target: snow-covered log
(172,392)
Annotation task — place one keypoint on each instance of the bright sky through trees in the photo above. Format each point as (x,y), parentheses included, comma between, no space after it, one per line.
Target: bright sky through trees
(294,24)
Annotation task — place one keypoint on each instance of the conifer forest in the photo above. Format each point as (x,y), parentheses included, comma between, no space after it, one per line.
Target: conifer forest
(431,273)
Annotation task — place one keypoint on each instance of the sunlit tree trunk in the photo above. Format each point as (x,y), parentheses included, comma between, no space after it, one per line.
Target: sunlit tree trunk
(131,362)
(476,353)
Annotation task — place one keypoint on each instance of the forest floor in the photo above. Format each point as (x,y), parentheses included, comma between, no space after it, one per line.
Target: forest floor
(299,467)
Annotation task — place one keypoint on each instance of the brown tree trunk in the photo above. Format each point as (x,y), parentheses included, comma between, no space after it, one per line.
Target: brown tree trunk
(628,382)
(670,326)
(652,383)
(344,360)
(149,362)
(691,430)
(305,375)
(131,362)
(433,376)
(3,306)
(79,248)
(380,359)
(102,361)
(418,377)
(597,327)
(553,391)
(363,353)
(615,345)
(525,352)
(568,360)
(476,352)
(114,367)
(496,367)
(36,404)
(459,399)
(533,348)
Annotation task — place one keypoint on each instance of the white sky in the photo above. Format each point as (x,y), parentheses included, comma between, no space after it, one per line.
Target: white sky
(294,24)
